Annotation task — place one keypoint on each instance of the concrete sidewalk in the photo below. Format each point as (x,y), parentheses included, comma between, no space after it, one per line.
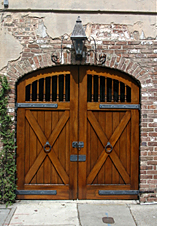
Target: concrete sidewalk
(78,213)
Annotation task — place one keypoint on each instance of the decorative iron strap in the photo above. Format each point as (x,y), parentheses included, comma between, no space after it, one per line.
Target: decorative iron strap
(36,192)
(123,192)
(36,105)
(118,192)
(119,106)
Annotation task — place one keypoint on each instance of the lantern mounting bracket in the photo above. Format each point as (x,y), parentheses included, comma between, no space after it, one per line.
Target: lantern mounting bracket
(78,38)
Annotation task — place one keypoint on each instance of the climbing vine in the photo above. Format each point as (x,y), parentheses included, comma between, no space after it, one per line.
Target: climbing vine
(7,152)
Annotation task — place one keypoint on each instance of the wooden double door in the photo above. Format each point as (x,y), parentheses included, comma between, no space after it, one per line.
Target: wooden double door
(77,134)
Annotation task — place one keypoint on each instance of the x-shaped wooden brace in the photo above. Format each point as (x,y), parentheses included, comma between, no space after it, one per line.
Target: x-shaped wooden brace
(104,140)
(40,158)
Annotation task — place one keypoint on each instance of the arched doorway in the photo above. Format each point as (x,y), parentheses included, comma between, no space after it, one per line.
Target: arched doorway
(77,134)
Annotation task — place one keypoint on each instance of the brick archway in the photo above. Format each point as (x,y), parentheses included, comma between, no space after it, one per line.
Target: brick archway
(148,132)
(18,69)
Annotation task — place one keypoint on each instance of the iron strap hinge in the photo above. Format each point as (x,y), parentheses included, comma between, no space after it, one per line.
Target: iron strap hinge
(119,106)
(80,158)
(122,192)
(36,105)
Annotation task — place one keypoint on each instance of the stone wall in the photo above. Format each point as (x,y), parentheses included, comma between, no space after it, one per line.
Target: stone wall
(27,46)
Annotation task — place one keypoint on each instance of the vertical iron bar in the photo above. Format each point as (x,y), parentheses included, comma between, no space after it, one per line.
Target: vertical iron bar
(57,88)
(125,92)
(119,91)
(92,97)
(31,92)
(44,89)
(105,89)
(112,99)
(98,88)
(64,89)
(51,88)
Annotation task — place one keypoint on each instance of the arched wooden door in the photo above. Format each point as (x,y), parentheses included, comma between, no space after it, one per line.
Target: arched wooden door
(77,134)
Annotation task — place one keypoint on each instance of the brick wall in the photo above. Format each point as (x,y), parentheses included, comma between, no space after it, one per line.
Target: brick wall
(125,51)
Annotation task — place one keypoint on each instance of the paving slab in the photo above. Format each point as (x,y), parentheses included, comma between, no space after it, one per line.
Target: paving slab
(45,214)
(4,212)
(112,214)
(144,215)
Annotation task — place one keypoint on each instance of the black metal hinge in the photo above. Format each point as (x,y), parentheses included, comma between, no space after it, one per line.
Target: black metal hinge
(122,192)
(36,192)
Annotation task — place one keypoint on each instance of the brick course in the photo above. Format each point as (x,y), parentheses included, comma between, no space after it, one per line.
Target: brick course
(135,57)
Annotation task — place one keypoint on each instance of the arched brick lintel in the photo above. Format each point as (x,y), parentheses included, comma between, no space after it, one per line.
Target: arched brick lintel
(16,70)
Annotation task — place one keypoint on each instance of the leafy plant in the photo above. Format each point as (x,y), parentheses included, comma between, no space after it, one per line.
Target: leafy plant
(7,154)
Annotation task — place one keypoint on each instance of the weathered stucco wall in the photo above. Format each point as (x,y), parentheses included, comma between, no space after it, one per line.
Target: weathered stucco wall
(55,25)
(128,5)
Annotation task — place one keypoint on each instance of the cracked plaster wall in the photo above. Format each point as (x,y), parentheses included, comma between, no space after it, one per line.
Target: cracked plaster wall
(56,24)
(10,47)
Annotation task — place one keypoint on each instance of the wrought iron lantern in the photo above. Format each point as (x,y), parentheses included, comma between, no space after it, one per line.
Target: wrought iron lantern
(78,38)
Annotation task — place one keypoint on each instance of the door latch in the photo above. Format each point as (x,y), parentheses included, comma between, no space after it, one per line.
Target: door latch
(80,158)
(78,145)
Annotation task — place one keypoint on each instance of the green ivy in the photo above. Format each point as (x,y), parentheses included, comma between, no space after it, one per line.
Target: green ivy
(7,154)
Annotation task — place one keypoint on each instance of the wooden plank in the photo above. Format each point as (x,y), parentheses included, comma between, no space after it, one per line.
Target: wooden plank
(129,148)
(27,147)
(134,94)
(135,149)
(58,167)
(115,174)
(47,163)
(38,131)
(44,75)
(120,167)
(124,121)
(94,148)
(88,156)
(73,129)
(62,144)
(102,122)
(41,122)
(95,124)
(21,92)
(20,147)
(33,169)
(55,177)
(97,167)
(82,96)
(108,163)
(32,143)
(67,145)
(55,133)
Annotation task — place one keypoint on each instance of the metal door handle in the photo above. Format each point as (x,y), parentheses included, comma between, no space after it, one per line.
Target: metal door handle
(47,144)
